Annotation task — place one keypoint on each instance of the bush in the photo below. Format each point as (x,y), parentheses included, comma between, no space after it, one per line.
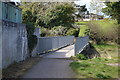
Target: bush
(81,56)
(32,42)
(58,31)
(103,31)
(73,32)
(103,76)
(32,39)
(54,31)
(45,32)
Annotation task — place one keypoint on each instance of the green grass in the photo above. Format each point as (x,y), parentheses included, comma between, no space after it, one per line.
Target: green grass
(106,46)
(108,49)
(81,23)
(83,27)
(97,67)
(106,26)
(101,60)
(94,69)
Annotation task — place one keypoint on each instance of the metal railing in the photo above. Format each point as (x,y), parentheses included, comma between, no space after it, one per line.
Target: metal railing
(80,44)
(50,43)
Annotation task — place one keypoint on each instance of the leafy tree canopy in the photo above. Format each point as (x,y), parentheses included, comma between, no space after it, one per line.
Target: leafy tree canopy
(113,9)
(47,14)
(60,14)
(80,10)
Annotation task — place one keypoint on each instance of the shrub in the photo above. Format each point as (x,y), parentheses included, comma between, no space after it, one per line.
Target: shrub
(32,42)
(73,32)
(45,32)
(103,31)
(103,76)
(32,39)
(81,56)
(54,31)
(58,31)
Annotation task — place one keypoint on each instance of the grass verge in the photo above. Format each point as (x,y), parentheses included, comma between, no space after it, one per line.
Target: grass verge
(99,67)
(108,50)
(16,70)
(94,69)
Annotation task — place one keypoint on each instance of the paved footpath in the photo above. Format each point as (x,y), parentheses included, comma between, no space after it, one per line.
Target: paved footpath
(54,65)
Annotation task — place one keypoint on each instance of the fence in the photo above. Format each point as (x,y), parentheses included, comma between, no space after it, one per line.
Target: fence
(81,43)
(50,43)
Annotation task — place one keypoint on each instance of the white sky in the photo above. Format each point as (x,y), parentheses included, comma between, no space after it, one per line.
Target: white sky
(87,3)
(83,2)
(80,2)
(16,0)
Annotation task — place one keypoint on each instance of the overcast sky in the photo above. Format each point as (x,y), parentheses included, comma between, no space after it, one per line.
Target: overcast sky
(83,2)
(79,2)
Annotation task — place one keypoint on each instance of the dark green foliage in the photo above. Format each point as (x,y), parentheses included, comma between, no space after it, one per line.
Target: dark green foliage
(81,56)
(32,41)
(33,12)
(48,14)
(80,11)
(103,76)
(59,15)
(27,16)
(43,34)
(54,31)
(59,30)
(73,32)
(113,9)
(30,28)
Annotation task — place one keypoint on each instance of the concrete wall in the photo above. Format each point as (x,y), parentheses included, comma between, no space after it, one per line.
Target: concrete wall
(14,43)
(80,44)
(0,50)
(37,33)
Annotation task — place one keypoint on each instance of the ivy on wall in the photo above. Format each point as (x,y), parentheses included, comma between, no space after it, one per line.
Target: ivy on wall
(32,39)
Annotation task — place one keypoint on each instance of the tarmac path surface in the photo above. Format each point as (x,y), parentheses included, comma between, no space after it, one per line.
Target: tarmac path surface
(54,65)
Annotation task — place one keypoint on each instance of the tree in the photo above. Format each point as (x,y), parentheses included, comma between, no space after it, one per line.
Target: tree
(113,10)
(59,15)
(48,14)
(33,12)
(80,10)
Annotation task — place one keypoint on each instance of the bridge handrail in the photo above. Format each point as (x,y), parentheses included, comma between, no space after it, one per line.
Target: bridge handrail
(81,43)
(49,43)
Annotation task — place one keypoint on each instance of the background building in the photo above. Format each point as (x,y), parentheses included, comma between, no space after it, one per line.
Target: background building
(10,12)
